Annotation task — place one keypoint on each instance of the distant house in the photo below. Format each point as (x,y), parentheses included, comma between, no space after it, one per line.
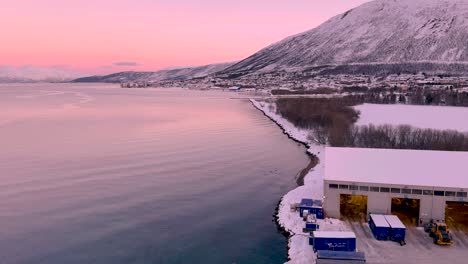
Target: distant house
(235,88)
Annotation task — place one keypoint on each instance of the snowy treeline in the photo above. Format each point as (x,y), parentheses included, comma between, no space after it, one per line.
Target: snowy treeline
(317,112)
(332,122)
(400,137)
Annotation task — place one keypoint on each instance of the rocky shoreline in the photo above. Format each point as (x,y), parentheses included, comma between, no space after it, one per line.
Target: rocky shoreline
(290,224)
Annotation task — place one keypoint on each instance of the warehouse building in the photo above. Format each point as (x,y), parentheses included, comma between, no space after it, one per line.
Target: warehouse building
(415,185)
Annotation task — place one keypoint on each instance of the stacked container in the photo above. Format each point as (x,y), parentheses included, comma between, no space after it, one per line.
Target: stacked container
(333,241)
(397,228)
(335,257)
(312,206)
(379,226)
(311,224)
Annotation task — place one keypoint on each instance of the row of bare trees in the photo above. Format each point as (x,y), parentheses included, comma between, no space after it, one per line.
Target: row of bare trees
(332,122)
(317,112)
(400,137)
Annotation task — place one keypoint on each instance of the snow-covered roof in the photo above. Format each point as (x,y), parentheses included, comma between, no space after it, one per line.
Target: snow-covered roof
(307,202)
(333,234)
(379,220)
(394,221)
(399,167)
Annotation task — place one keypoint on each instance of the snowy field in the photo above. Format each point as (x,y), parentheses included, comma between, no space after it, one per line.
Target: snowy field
(435,117)
(419,248)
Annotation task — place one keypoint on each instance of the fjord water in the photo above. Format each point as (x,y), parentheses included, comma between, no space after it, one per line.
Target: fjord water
(98,174)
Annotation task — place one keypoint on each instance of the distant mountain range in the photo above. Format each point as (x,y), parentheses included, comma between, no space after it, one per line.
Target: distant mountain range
(15,80)
(36,80)
(177,74)
(377,38)
(28,74)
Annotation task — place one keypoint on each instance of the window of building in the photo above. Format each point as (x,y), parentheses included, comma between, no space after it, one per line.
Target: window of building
(406,191)
(344,186)
(384,189)
(364,188)
(333,186)
(353,187)
(416,191)
(428,192)
(451,194)
(374,189)
(395,190)
(439,193)
(462,194)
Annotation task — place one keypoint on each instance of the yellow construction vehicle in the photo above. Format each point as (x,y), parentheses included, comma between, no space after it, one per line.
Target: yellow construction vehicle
(440,233)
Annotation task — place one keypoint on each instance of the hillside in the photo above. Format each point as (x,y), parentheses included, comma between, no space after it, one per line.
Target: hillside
(163,75)
(388,35)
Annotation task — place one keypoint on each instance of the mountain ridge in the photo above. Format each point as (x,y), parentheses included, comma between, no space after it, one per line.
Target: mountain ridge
(381,37)
(378,32)
(173,74)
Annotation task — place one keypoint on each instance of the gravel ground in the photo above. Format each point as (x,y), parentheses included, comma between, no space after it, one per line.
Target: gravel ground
(420,248)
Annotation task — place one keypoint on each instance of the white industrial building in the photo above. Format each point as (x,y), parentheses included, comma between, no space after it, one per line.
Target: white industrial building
(428,183)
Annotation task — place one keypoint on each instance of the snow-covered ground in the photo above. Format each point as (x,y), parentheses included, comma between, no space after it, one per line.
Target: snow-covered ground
(419,248)
(435,117)
(299,249)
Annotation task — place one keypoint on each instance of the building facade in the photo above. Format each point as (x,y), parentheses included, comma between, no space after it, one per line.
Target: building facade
(424,185)
(432,201)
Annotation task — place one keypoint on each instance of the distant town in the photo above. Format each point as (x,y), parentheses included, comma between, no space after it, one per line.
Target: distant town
(395,88)
(303,81)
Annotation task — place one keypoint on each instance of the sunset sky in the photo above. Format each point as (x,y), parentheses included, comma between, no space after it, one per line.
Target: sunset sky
(104,36)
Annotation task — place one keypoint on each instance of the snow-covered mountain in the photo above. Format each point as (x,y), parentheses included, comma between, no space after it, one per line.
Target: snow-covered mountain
(28,73)
(162,75)
(394,34)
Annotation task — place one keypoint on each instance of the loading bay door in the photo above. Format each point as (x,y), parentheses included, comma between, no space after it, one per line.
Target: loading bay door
(456,215)
(353,207)
(406,209)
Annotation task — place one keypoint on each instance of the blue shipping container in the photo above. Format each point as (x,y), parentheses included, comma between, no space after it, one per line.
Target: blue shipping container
(397,228)
(327,257)
(311,206)
(313,226)
(334,241)
(379,226)
(325,254)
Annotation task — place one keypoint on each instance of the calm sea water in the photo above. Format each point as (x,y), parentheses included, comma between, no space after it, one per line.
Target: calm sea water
(99,174)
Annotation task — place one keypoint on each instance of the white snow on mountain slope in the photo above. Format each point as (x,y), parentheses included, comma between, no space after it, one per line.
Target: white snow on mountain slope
(181,73)
(381,31)
(28,73)
(187,72)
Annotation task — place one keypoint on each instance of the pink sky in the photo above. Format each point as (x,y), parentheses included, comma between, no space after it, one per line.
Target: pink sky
(94,36)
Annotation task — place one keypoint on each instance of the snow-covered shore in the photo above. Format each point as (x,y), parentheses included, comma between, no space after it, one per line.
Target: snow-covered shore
(299,249)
